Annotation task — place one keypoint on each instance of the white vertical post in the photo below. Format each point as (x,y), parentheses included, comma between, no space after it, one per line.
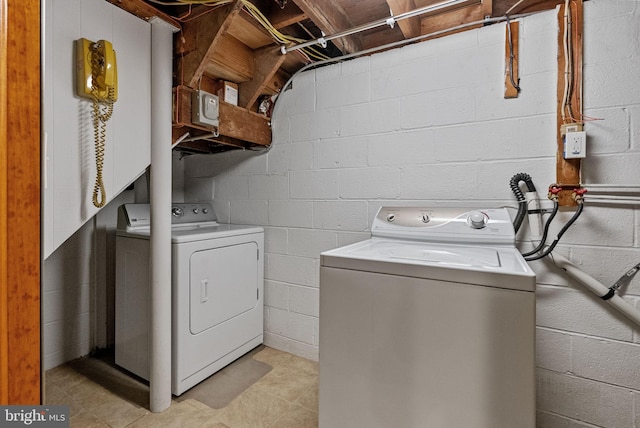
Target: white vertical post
(161,107)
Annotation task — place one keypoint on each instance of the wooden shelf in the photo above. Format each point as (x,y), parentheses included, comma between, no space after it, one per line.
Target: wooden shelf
(239,127)
(225,43)
(228,44)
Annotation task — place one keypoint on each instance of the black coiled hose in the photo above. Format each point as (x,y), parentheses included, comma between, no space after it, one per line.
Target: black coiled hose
(549,249)
(514,183)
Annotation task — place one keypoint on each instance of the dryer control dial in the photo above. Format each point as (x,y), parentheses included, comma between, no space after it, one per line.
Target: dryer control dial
(477,219)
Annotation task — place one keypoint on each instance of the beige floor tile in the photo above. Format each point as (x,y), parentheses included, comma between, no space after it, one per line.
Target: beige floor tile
(213,424)
(288,383)
(116,412)
(86,420)
(100,395)
(304,364)
(254,409)
(178,415)
(309,399)
(88,394)
(198,405)
(298,417)
(63,375)
(55,395)
(273,357)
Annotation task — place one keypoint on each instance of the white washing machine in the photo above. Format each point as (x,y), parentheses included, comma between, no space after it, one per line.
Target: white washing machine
(217,292)
(430,323)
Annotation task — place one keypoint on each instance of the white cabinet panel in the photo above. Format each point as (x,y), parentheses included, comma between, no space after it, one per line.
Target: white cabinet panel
(70,150)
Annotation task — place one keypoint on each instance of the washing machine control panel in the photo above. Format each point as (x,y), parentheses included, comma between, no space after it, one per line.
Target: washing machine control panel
(436,224)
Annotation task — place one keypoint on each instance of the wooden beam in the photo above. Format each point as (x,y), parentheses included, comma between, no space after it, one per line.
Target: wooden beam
(487,8)
(568,170)
(268,61)
(239,123)
(4,310)
(20,207)
(200,38)
(452,18)
(235,122)
(410,27)
(331,19)
(500,7)
(247,29)
(290,15)
(511,56)
(145,11)
(231,58)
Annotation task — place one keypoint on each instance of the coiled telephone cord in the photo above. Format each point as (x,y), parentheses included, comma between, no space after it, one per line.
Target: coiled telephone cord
(102,111)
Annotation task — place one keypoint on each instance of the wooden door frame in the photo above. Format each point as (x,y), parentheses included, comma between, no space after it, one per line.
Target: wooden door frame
(20,215)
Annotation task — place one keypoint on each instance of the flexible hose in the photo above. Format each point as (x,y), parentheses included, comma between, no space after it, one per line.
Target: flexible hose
(545,232)
(548,251)
(514,183)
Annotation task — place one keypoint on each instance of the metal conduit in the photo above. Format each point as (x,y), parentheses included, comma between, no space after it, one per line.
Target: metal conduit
(390,21)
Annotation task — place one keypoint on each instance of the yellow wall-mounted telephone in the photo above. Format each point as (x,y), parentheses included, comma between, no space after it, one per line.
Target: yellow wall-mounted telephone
(97,79)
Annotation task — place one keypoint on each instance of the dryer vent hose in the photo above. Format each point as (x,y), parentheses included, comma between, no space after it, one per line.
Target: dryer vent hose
(514,183)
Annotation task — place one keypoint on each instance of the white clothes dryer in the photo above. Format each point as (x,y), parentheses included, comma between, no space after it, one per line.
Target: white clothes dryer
(430,323)
(217,292)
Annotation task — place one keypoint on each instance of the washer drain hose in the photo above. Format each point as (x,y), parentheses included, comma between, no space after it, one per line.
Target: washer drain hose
(514,183)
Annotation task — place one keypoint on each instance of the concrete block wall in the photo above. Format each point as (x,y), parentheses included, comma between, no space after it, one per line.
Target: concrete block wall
(78,287)
(78,304)
(427,124)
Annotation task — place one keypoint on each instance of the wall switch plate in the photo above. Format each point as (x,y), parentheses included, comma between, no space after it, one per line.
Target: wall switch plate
(575,145)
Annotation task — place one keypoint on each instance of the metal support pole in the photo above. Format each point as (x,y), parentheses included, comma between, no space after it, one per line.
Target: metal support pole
(160,325)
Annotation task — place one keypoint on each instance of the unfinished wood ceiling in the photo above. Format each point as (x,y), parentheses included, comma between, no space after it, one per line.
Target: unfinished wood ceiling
(313,19)
(255,44)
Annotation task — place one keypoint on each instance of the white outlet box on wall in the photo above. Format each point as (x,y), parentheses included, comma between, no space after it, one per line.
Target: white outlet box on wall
(575,145)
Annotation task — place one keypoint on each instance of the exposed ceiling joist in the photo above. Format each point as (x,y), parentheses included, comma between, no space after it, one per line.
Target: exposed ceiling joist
(206,37)
(331,19)
(410,27)
(144,10)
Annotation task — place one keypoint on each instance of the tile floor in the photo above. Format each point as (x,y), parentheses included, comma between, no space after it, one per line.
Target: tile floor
(100,395)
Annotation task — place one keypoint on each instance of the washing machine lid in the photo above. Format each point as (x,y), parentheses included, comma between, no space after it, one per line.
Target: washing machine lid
(474,246)
(496,266)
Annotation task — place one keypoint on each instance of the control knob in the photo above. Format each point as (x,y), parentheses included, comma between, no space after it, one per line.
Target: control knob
(477,219)
(425,218)
(177,212)
(195,211)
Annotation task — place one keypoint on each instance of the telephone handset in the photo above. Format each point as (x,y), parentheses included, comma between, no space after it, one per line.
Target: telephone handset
(97,79)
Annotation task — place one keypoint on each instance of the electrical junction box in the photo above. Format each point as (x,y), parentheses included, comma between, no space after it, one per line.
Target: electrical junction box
(228,92)
(575,145)
(205,109)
